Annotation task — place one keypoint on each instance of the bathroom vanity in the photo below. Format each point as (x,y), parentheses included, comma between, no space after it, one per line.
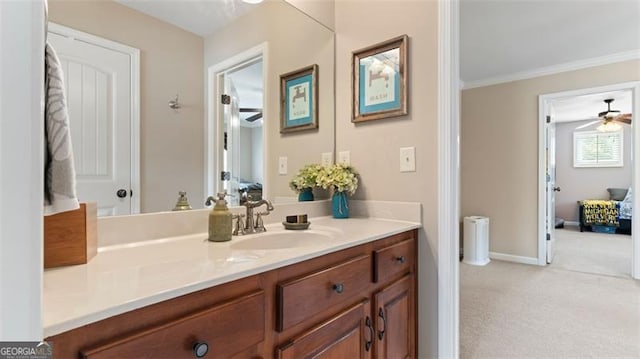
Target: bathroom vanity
(343,289)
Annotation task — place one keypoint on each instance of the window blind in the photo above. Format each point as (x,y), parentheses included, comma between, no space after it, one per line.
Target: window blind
(597,149)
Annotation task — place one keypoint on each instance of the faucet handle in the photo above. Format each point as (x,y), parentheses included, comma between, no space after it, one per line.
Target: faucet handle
(239,228)
(259,227)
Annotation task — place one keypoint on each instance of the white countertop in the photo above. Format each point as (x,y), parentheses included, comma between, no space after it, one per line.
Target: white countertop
(125,277)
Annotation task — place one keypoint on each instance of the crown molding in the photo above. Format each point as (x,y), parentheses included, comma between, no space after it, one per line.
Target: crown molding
(555,69)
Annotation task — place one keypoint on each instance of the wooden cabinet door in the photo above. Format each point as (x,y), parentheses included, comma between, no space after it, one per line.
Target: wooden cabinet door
(349,334)
(395,314)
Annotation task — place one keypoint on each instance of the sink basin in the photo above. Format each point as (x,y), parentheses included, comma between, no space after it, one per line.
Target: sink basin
(280,240)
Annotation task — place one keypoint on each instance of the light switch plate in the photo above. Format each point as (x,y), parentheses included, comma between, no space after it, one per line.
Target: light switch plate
(344,157)
(407,159)
(282,165)
(327,158)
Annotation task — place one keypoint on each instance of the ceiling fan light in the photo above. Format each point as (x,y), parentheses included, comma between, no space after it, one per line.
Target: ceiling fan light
(609,127)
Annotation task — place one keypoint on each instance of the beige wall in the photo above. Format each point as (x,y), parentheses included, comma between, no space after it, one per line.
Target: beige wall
(499,151)
(585,182)
(310,43)
(321,10)
(375,145)
(171,142)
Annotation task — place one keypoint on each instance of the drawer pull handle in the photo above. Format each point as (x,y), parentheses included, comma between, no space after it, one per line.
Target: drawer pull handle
(368,343)
(338,287)
(384,324)
(400,259)
(200,349)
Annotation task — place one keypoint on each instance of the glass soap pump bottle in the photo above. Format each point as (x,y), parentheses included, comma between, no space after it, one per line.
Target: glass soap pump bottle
(220,220)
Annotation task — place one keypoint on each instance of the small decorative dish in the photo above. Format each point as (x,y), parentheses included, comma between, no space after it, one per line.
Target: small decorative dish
(296,226)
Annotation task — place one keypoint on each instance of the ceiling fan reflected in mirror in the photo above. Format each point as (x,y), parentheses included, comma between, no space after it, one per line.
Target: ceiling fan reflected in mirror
(252,118)
(610,119)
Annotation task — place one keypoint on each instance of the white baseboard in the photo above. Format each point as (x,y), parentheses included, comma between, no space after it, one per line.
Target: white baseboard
(512,258)
(571,223)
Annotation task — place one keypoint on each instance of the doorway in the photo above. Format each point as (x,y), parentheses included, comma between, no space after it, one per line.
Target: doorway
(591,155)
(236,126)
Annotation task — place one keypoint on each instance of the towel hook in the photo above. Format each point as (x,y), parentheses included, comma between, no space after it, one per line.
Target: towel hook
(174,104)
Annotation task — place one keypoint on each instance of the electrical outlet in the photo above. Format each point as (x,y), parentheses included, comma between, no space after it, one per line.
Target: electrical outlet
(407,159)
(282,165)
(327,158)
(344,157)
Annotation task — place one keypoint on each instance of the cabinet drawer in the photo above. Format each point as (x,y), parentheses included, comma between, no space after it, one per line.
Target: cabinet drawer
(225,328)
(390,261)
(301,298)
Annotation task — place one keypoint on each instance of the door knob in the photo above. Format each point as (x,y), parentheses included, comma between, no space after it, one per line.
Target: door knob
(556,189)
(121,193)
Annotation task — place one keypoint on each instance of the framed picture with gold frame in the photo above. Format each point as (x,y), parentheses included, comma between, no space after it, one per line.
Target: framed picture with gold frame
(299,100)
(379,81)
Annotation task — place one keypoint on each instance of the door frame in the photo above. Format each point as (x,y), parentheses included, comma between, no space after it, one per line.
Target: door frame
(448,253)
(215,112)
(134,63)
(543,111)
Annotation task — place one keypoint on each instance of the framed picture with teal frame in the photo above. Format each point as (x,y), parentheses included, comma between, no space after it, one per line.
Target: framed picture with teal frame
(299,100)
(380,80)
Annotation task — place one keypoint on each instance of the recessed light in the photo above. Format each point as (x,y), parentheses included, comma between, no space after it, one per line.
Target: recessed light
(252,1)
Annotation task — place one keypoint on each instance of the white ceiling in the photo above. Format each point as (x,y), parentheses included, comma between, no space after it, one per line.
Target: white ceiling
(248,84)
(201,17)
(587,107)
(504,37)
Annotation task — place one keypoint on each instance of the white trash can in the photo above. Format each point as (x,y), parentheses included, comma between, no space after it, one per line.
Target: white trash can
(476,240)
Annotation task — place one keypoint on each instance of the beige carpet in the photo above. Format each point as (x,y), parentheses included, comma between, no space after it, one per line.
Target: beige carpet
(510,310)
(590,252)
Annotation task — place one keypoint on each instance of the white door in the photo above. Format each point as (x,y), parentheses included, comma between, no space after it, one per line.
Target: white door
(232,140)
(99,98)
(551,189)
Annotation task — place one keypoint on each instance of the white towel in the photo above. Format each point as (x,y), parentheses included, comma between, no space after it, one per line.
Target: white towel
(60,174)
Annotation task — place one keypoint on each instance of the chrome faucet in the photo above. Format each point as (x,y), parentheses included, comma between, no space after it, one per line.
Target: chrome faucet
(257,226)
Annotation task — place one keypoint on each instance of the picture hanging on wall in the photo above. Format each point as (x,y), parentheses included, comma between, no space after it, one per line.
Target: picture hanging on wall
(379,83)
(299,100)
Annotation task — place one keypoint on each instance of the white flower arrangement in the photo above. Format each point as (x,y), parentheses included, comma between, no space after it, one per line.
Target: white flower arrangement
(339,177)
(306,177)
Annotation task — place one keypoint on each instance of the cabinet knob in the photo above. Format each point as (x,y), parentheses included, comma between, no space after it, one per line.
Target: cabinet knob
(200,349)
(401,259)
(338,287)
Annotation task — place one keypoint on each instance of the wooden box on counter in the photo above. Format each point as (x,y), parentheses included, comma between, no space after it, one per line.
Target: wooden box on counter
(71,237)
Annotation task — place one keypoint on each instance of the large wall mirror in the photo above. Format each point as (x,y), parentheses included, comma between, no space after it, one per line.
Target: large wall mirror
(145,81)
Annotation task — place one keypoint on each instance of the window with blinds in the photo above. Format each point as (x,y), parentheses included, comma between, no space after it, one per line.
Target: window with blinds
(597,149)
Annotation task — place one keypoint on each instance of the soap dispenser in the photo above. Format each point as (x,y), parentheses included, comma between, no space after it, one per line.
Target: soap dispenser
(183,202)
(220,220)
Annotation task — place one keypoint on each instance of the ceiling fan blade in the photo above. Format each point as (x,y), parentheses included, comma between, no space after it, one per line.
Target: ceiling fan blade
(254,118)
(608,113)
(624,118)
(587,124)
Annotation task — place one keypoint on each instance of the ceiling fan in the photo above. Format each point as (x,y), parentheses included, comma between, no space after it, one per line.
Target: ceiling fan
(609,119)
(252,118)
